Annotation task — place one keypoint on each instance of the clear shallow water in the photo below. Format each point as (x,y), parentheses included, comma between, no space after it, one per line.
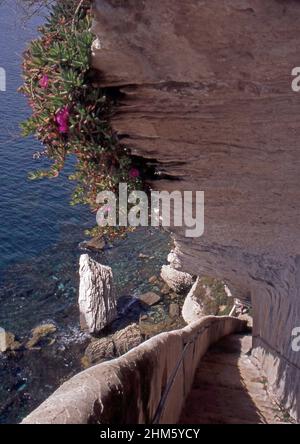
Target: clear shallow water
(35,216)
(39,235)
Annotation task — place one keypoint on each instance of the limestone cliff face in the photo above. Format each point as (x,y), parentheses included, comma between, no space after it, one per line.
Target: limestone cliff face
(207,96)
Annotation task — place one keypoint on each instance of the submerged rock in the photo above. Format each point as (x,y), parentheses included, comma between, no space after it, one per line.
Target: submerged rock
(174,310)
(39,333)
(150,298)
(144,256)
(177,280)
(97,299)
(153,280)
(165,289)
(95,244)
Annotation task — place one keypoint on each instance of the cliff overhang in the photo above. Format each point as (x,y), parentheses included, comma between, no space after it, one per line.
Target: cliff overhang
(205,95)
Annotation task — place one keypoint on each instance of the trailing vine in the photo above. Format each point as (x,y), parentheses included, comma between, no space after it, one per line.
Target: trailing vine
(69,115)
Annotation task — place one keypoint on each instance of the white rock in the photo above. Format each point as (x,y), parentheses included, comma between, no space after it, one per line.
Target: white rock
(97,300)
(176,280)
(197,303)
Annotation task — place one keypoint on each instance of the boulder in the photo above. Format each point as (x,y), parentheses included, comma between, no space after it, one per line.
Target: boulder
(113,346)
(177,280)
(199,302)
(97,299)
(127,339)
(98,351)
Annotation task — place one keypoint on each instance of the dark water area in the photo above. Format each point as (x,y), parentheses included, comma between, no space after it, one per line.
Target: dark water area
(39,236)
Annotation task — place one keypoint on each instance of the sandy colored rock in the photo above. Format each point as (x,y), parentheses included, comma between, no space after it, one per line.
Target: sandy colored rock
(113,346)
(165,289)
(199,302)
(150,298)
(97,299)
(127,339)
(39,333)
(153,280)
(174,310)
(99,350)
(176,280)
(8,342)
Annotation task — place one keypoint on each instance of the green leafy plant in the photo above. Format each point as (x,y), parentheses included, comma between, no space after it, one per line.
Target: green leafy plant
(69,115)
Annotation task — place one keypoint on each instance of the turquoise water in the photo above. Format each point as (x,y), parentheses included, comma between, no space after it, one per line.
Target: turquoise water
(39,236)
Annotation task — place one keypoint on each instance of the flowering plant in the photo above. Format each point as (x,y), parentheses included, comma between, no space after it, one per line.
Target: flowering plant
(69,115)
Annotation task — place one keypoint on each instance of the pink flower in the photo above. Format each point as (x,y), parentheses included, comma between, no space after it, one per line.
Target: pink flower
(44,81)
(134,173)
(62,119)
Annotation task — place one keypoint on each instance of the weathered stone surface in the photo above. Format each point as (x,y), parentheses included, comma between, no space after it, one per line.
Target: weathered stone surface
(199,302)
(178,281)
(113,346)
(206,94)
(128,390)
(97,301)
(100,350)
(228,388)
(127,339)
(150,298)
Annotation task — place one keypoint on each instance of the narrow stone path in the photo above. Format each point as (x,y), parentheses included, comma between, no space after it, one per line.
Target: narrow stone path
(228,388)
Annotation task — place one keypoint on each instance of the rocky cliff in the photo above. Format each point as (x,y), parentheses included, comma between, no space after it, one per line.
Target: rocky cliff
(206,95)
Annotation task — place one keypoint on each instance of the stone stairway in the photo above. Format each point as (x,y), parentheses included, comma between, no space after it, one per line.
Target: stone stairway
(228,388)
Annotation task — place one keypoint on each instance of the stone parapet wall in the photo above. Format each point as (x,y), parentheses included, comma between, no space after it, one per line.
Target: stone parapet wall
(128,390)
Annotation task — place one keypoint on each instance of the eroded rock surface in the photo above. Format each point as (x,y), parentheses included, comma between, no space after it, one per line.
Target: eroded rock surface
(199,302)
(114,345)
(97,299)
(176,280)
(206,95)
